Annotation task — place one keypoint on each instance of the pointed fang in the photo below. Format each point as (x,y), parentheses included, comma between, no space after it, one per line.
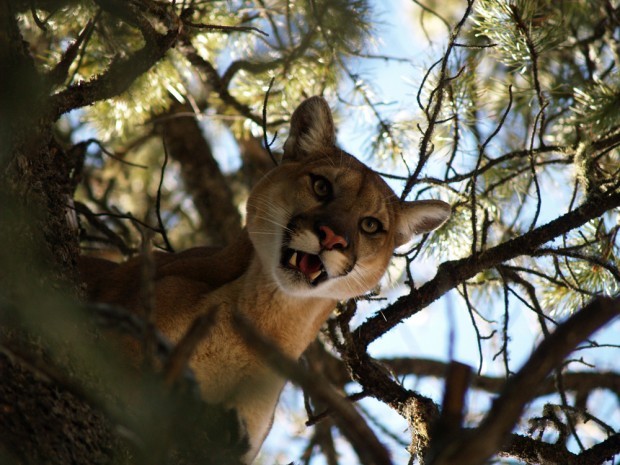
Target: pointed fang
(315,275)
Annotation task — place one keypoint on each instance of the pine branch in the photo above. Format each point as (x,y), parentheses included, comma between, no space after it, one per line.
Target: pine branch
(124,71)
(201,174)
(452,273)
(475,446)
(257,67)
(579,382)
(227,29)
(316,387)
(213,78)
(435,104)
(530,450)
(59,73)
(492,163)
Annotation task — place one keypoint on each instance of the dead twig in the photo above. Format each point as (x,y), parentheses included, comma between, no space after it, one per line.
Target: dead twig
(265,141)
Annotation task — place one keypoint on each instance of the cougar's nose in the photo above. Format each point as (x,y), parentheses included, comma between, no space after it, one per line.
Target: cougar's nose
(330,240)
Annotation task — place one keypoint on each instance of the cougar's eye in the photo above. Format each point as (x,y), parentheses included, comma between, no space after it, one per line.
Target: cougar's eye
(371,225)
(321,187)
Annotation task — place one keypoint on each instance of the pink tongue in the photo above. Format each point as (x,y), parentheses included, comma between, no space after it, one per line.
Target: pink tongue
(309,264)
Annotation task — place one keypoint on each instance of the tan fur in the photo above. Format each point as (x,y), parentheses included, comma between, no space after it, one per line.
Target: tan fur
(286,210)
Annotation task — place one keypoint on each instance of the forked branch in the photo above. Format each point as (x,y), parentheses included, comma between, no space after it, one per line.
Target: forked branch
(452,273)
(474,447)
(123,72)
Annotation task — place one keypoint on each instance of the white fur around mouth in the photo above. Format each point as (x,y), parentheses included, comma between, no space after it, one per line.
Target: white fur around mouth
(308,265)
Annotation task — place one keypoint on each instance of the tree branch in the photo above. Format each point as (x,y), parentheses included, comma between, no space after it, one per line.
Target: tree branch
(530,450)
(59,73)
(578,381)
(204,181)
(122,72)
(452,273)
(436,100)
(474,447)
(316,387)
(213,78)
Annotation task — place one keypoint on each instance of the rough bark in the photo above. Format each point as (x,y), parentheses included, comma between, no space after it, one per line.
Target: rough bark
(40,420)
(202,176)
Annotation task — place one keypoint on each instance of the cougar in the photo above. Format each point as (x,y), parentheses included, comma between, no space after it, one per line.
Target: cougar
(321,227)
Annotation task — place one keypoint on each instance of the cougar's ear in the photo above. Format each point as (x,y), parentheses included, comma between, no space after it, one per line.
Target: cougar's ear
(312,129)
(419,217)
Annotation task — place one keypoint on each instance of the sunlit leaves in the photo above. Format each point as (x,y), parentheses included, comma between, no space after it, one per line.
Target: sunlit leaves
(598,105)
(49,32)
(345,23)
(518,29)
(151,94)
(583,266)
(307,47)
(453,240)
(564,294)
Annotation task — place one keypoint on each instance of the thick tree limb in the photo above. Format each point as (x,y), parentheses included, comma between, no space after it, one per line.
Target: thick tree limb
(419,411)
(37,417)
(530,450)
(21,86)
(581,382)
(202,176)
(122,72)
(474,447)
(451,274)
(450,420)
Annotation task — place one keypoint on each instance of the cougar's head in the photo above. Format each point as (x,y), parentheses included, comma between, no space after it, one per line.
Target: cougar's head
(322,223)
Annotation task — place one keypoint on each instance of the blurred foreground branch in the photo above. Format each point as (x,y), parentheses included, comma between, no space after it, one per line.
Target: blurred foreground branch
(474,447)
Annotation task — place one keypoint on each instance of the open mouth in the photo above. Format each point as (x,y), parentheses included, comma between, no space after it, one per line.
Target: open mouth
(309,265)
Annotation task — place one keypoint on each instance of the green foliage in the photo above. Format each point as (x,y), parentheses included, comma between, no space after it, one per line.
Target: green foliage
(558,59)
(305,56)
(304,48)
(453,240)
(597,105)
(592,253)
(121,118)
(518,29)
